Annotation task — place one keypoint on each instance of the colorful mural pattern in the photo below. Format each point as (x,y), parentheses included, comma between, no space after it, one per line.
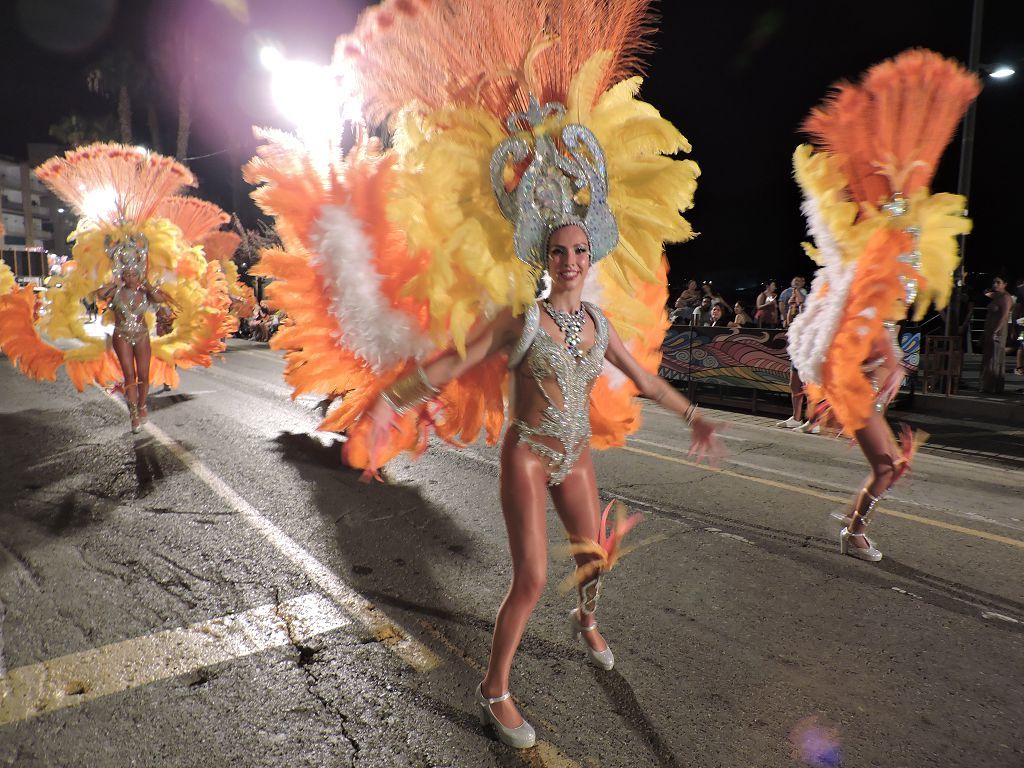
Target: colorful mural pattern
(752,358)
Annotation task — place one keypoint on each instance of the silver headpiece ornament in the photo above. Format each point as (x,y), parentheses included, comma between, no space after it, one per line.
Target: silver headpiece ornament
(128,255)
(546,197)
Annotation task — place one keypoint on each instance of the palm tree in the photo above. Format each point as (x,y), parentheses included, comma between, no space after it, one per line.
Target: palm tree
(76,129)
(117,75)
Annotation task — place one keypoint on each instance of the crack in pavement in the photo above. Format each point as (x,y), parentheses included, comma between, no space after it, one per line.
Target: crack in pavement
(305,662)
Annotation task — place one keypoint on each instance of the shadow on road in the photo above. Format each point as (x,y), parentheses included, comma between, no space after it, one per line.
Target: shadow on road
(389,538)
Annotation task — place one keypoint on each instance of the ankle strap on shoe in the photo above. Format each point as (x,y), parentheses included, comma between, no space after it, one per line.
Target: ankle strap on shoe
(589,594)
(863,515)
(497,699)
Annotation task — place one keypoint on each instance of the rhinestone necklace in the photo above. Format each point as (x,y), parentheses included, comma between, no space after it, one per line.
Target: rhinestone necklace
(571,325)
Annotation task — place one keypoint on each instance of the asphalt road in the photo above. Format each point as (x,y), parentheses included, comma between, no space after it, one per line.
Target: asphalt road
(219,591)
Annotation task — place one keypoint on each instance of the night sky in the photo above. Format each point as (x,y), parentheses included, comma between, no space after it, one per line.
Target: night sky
(736,77)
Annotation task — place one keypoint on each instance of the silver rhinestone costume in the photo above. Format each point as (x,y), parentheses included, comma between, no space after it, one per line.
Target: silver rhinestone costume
(548,361)
(130,307)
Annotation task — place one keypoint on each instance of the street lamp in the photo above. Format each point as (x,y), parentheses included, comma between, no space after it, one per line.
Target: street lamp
(963,184)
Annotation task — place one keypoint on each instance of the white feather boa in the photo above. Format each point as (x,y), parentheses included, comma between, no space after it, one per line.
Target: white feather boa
(811,334)
(367,323)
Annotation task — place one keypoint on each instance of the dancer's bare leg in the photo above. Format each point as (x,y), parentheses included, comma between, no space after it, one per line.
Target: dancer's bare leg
(524,506)
(579,509)
(143,350)
(879,447)
(126,358)
(796,394)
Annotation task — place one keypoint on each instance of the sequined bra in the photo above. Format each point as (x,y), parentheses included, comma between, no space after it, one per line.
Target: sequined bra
(130,307)
(547,360)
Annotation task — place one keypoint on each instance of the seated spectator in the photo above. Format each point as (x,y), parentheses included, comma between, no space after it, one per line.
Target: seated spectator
(702,313)
(686,303)
(717,316)
(716,297)
(767,306)
(741,318)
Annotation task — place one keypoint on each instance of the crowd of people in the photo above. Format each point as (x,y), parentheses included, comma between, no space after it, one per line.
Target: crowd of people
(703,304)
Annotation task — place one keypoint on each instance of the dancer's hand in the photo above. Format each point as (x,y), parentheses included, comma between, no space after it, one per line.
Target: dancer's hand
(705,442)
(383,418)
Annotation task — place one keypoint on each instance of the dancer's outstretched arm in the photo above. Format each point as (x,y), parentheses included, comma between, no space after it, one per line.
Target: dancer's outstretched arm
(491,338)
(705,442)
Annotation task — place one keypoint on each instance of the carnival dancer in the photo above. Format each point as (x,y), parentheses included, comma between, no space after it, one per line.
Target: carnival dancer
(884,244)
(129,256)
(130,297)
(409,275)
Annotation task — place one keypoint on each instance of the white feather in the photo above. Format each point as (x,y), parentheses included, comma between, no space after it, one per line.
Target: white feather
(811,334)
(367,323)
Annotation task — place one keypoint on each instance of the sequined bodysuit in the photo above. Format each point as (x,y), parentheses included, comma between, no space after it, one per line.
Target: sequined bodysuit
(566,423)
(130,307)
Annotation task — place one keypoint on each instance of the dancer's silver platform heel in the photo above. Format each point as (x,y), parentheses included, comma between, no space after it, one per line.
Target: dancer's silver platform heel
(872,554)
(846,547)
(522,737)
(589,593)
(604,659)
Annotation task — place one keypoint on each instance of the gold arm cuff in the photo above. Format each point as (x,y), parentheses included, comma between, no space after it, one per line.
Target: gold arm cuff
(409,392)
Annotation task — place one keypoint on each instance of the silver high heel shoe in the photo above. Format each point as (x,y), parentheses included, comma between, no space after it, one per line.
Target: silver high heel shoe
(872,554)
(604,659)
(588,595)
(846,547)
(522,737)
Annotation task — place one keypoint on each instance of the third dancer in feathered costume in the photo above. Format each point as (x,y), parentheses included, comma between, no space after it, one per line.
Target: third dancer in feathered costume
(884,244)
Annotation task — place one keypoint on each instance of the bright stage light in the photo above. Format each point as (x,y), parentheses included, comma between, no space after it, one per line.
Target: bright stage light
(1002,72)
(100,204)
(316,99)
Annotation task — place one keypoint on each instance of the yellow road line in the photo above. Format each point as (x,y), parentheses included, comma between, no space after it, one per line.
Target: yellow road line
(830,497)
(77,678)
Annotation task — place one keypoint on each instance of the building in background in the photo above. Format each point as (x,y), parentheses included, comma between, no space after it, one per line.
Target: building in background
(36,223)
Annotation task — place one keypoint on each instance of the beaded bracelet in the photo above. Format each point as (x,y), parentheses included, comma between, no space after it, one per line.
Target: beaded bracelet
(409,392)
(691,413)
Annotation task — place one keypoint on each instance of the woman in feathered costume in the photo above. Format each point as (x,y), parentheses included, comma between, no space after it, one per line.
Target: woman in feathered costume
(129,256)
(409,276)
(884,244)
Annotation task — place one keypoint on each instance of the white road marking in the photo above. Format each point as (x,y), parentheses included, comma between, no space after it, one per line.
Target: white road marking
(727,535)
(77,678)
(999,617)
(414,653)
(904,592)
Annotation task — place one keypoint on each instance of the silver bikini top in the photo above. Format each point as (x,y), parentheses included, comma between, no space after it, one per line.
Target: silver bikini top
(568,423)
(130,307)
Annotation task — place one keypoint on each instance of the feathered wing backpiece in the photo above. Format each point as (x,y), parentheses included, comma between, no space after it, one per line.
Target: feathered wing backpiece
(107,184)
(482,53)
(398,253)
(882,240)
(121,195)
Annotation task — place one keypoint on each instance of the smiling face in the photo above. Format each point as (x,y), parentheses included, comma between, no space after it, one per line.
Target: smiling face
(568,258)
(716,313)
